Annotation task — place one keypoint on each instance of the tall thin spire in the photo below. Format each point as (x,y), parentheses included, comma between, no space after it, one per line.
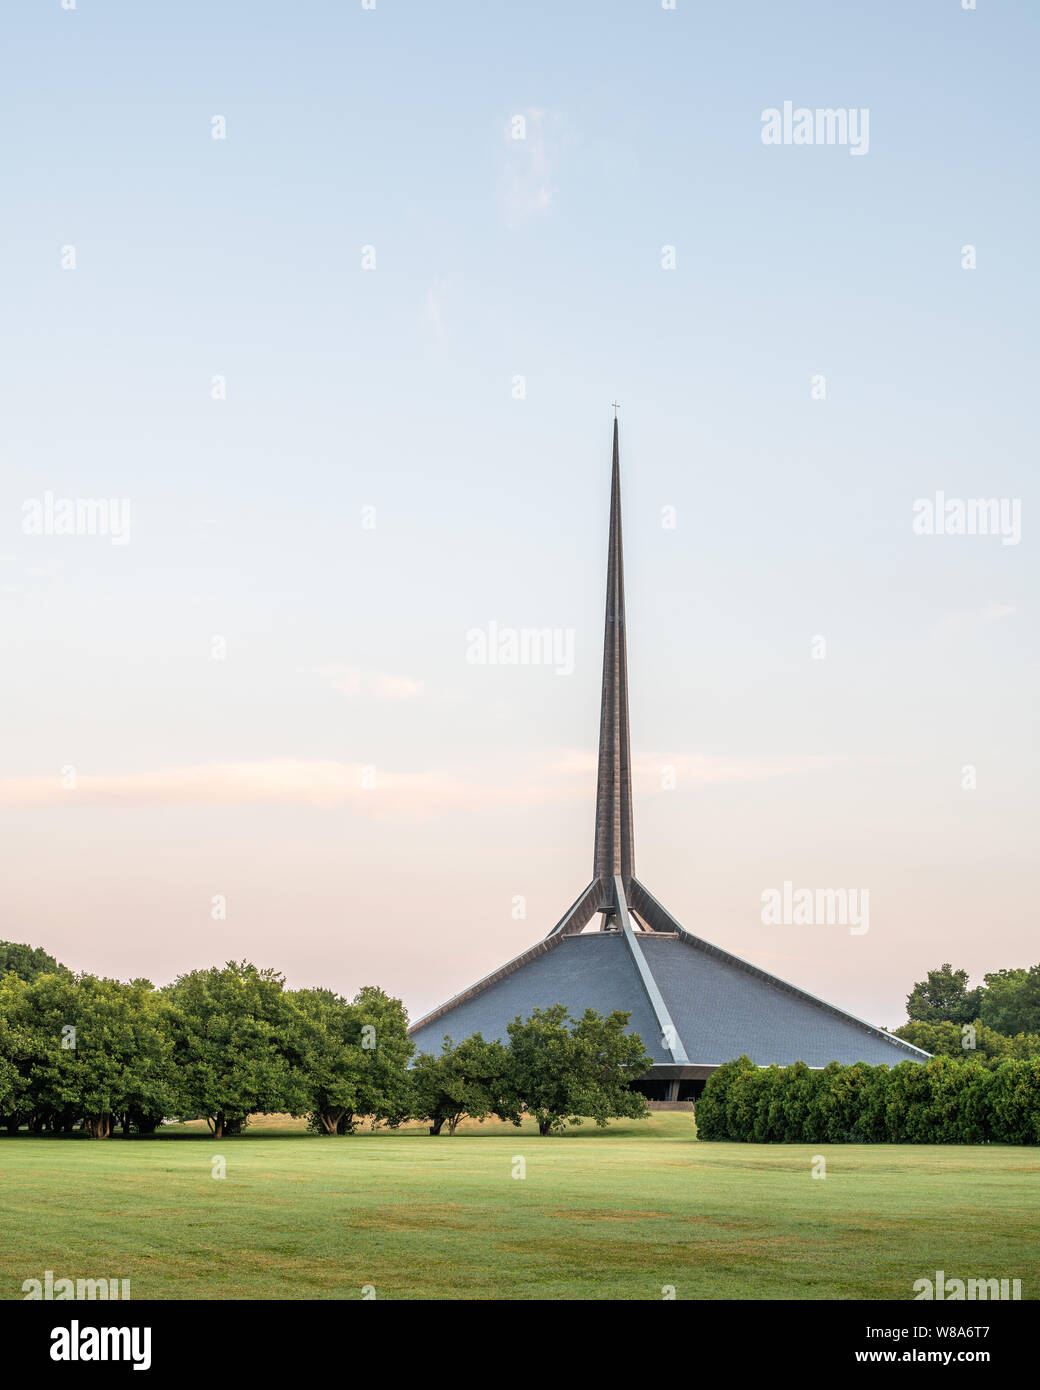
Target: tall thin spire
(614,854)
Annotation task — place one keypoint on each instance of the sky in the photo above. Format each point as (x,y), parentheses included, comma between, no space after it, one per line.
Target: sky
(330,302)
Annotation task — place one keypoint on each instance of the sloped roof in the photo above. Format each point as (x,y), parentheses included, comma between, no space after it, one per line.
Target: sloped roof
(669,981)
(721,1007)
(594,971)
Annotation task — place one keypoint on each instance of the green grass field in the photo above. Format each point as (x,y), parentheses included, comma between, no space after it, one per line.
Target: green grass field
(600,1214)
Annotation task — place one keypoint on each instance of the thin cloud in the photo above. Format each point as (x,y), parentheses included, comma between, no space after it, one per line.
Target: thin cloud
(533,141)
(377,685)
(382,792)
(974,617)
(433,309)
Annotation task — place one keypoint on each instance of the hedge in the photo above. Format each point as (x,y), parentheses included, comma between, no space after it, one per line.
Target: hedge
(943,1101)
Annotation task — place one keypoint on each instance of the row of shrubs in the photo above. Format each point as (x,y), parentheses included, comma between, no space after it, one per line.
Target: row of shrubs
(943,1101)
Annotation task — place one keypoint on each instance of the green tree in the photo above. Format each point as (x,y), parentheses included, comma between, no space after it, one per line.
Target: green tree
(467,1078)
(973,1042)
(385,1094)
(19,1048)
(9,1088)
(944,995)
(558,1074)
(28,961)
(86,1049)
(1011,1002)
(235,1040)
(349,1057)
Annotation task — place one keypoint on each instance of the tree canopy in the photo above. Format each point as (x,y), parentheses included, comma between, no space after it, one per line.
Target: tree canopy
(350,1057)
(28,961)
(944,995)
(558,1074)
(466,1079)
(232,1029)
(1011,1001)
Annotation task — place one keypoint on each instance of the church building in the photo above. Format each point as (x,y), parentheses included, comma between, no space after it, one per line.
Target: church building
(693,1004)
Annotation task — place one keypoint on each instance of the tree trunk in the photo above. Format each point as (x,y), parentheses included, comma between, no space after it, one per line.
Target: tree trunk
(435,1128)
(218,1125)
(545,1126)
(451,1125)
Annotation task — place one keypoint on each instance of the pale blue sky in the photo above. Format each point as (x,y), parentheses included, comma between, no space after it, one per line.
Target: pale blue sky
(393,387)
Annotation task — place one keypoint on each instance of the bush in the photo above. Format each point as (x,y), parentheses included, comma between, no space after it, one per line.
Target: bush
(710,1111)
(1015,1102)
(943,1101)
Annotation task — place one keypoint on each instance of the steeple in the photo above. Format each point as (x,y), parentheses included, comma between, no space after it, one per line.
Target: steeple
(678,991)
(614,855)
(614,891)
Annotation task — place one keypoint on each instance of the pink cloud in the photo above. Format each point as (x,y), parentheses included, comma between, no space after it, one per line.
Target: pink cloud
(377,685)
(383,791)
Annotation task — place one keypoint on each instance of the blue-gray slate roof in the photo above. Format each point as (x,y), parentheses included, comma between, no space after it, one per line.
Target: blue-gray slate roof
(721,1007)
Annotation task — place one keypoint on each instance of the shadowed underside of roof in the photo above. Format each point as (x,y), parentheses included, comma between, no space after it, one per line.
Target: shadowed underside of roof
(721,1008)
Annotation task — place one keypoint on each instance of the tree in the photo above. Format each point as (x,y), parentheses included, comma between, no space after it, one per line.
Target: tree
(387,1048)
(234,1038)
(85,1049)
(556,1074)
(9,1089)
(350,1058)
(466,1079)
(28,961)
(18,1051)
(974,1042)
(123,1055)
(1011,1002)
(326,1049)
(944,995)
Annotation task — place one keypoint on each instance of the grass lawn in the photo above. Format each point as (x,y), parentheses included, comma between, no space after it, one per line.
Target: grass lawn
(618,1213)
